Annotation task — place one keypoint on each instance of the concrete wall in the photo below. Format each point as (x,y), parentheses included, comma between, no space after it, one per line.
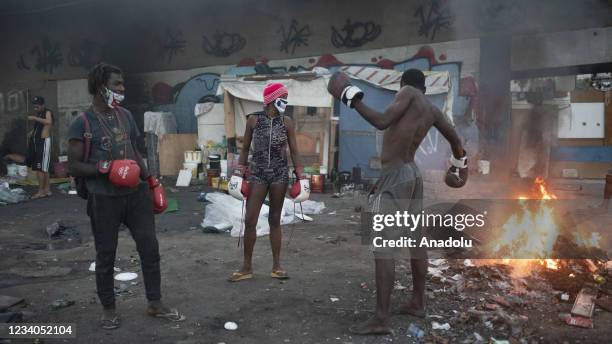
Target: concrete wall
(166,49)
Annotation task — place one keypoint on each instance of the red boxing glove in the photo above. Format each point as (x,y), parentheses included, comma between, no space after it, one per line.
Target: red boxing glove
(124,173)
(160,203)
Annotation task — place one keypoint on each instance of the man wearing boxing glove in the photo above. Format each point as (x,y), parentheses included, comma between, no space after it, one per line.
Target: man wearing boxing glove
(268,134)
(119,189)
(405,122)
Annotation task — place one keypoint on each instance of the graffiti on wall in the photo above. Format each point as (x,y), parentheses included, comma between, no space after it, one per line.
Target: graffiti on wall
(12,101)
(433,16)
(45,57)
(170,44)
(85,54)
(223,44)
(355,34)
(293,37)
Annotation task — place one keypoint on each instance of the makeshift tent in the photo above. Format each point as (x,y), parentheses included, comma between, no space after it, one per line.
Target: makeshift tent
(307,95)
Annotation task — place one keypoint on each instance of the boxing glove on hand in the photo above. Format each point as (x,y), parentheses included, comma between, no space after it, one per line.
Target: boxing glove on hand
(300,190)
(238,188)
(158,194)
(457,174)
(340,87)
(124,173)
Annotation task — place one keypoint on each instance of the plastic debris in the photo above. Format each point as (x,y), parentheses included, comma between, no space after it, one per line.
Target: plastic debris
(415,331)
(437,326)
(126,276)
(230,326)
(61,303)
(468,263)
(565,297)
(334,299)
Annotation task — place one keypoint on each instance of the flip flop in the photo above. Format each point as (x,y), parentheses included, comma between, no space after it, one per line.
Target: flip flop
(173,315)
(279,274)
(240,276)
(110,324)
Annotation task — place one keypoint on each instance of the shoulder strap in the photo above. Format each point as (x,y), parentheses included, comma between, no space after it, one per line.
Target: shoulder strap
(87,136)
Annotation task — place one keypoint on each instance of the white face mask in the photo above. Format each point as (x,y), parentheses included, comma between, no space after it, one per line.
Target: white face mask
(281,104)
(113,99)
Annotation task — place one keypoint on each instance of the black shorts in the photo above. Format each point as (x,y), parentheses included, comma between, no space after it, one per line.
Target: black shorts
(39,154)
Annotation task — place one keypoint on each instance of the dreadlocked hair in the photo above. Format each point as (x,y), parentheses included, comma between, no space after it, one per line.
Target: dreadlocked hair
(99,74)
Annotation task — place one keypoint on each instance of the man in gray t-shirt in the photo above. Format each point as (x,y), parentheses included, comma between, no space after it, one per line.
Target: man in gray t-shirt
(117,193)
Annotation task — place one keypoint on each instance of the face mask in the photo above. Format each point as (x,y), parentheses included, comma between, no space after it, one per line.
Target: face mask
(281,104)
(112,99)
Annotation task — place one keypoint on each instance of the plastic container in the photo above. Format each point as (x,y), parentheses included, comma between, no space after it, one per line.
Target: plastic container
(211,173)
(214,161)
(316,183)
(193,167)
(193,156)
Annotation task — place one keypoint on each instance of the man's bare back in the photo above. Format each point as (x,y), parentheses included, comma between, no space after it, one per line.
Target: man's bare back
(408,120)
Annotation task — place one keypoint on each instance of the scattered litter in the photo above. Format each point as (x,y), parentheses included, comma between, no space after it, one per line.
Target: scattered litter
(334,299)
(332,213)
(92,267)
(126,276)
(457,277)
(585,303)
(11,196)
(173,206)
(605,303)
(363,285)
(497,341)
(478,337)
(399,286)
(415,331)
(501,301)
(61,303)
(437,326)
(491,306)
(437,262)
(468,263)
(184,177)
(55,229)
(576,320)
(231,326)
(565,297)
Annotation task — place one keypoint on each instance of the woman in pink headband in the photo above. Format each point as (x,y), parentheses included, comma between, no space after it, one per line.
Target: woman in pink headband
(268,133)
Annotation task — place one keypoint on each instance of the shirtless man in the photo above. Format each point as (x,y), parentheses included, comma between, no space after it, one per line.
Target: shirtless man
(406,123)
(39,145)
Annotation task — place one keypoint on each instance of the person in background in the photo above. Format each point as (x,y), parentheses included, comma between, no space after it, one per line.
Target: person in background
(39,145)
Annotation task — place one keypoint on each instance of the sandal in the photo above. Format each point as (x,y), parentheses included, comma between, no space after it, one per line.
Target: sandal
(110,323)
(172,315)
(240,276)
(279,274)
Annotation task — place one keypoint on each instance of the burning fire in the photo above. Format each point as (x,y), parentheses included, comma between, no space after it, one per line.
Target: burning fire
(532,232)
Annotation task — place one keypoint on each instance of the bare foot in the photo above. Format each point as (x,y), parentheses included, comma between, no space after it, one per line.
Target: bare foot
(411,308)
(373,326)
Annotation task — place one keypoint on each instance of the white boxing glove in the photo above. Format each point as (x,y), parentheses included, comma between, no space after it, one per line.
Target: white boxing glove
(349,94)
(237,187)
(300,191)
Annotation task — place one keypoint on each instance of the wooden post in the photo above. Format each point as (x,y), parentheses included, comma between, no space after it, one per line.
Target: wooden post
(230,120)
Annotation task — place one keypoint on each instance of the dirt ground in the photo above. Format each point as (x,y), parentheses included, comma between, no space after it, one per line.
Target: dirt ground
(325,260)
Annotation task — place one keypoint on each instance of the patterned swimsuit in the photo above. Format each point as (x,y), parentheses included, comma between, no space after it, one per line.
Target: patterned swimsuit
(269,143)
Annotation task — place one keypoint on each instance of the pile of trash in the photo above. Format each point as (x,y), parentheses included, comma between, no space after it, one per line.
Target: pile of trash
(11,196)
(225,214)
(488,303)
